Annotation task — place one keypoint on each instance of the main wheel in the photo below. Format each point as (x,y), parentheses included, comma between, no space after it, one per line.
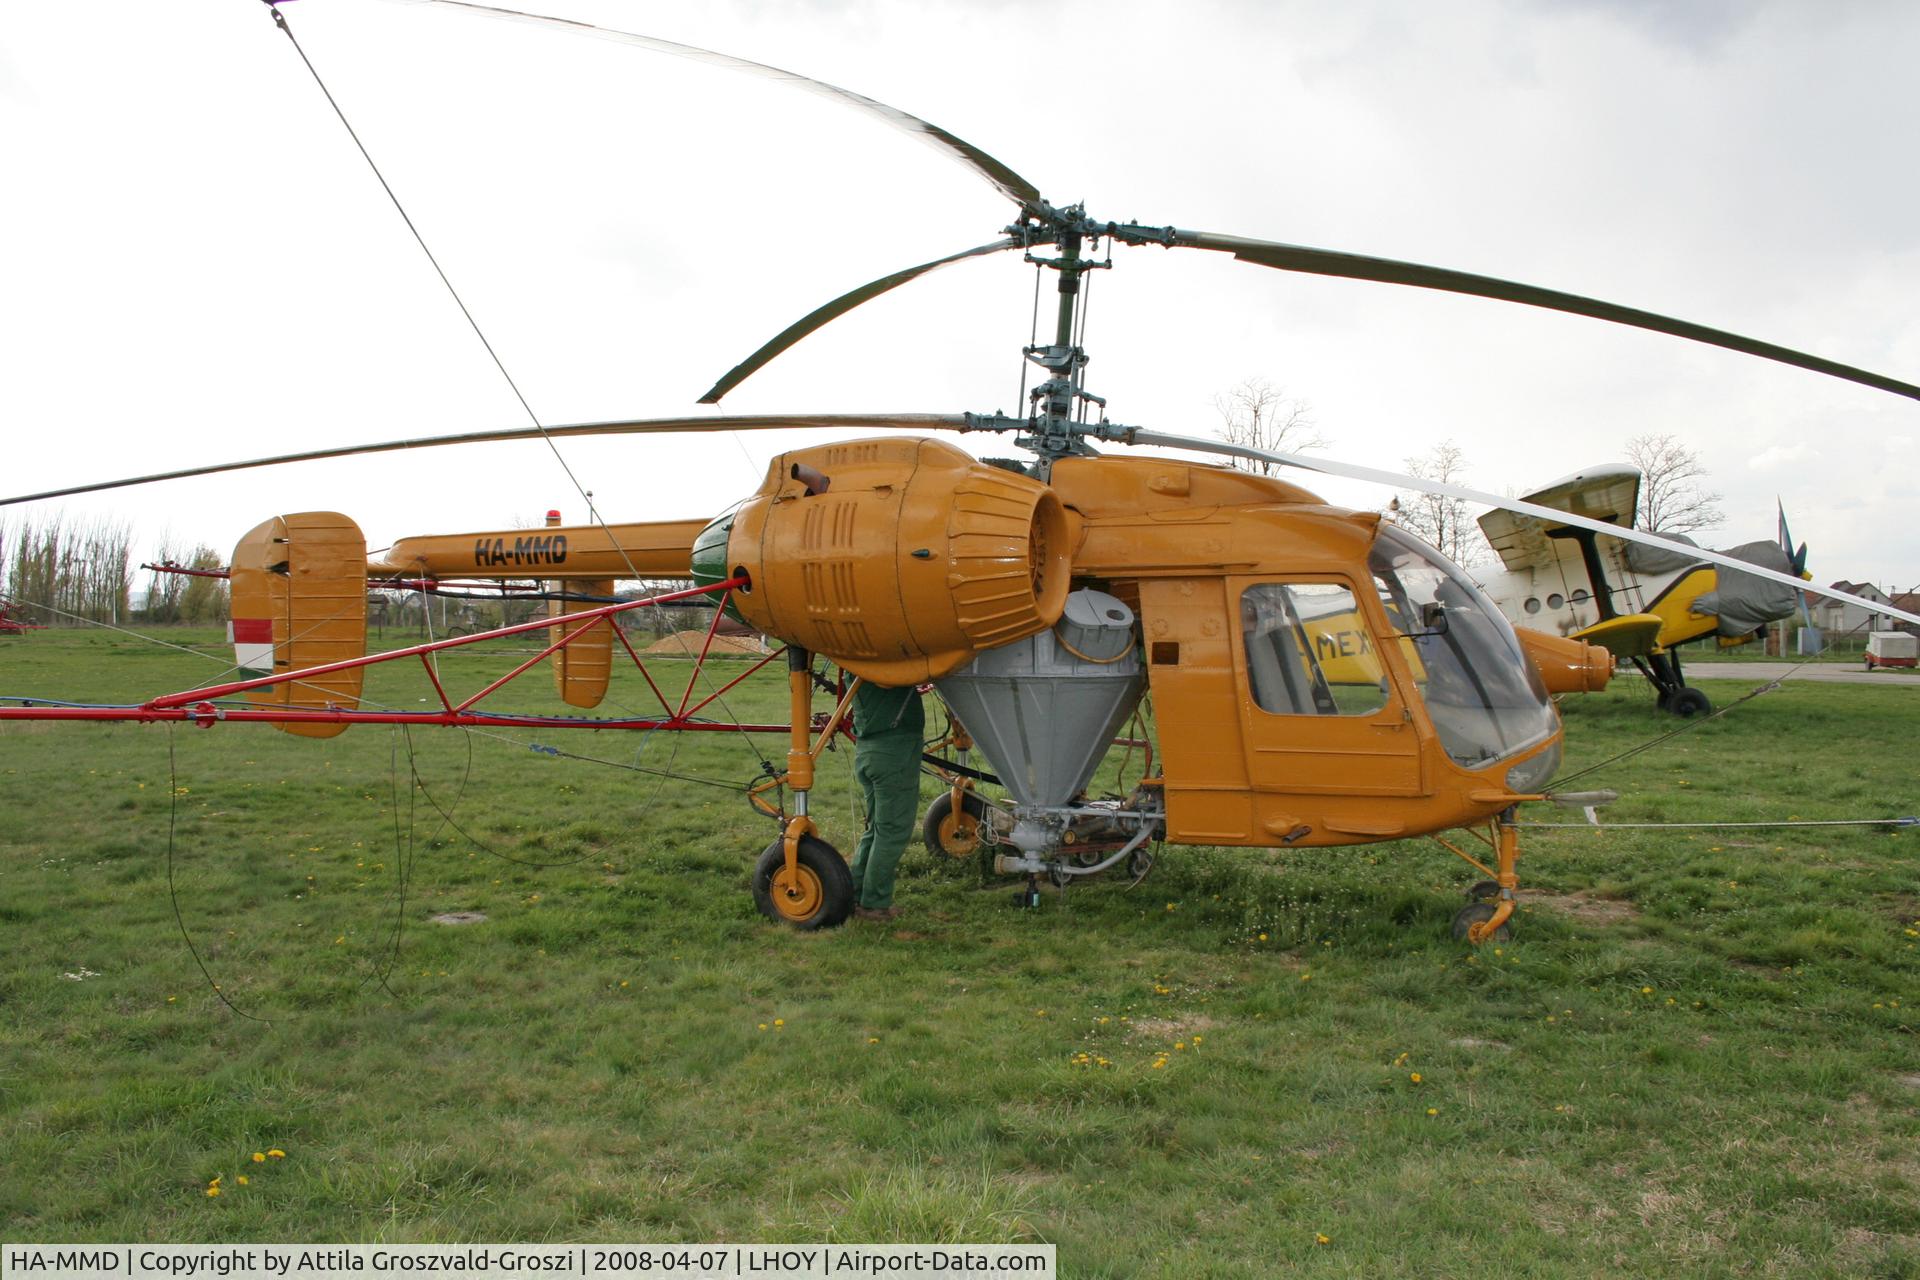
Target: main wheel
(1478,913)
(1687,703)
(957,835)
(819,893)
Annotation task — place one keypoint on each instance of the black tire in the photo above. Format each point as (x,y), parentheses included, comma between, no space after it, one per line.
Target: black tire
(942,836)
(1478,913)
(1688,703)
(822,896)
(1484,891)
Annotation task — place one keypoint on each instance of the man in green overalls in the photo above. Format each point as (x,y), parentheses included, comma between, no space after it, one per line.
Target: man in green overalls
(886,760)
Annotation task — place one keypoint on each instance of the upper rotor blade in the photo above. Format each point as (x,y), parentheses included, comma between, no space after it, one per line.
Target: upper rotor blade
(1004,180)
(838,307)
(1353,266)
(1394,479)
(642,426)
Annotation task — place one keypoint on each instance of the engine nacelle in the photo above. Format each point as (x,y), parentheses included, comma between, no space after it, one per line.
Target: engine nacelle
(899,559)
(1567,665)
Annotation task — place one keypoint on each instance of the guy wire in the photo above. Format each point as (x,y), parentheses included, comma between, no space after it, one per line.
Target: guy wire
(280,20)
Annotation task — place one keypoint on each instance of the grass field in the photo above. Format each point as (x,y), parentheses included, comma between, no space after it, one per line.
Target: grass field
(1697,1057)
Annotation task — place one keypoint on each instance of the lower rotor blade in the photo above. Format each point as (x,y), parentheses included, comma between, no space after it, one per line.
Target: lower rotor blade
(642,426)
(839,307)
(1353,266)
(1395,480)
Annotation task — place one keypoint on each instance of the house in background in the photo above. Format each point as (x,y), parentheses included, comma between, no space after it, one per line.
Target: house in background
(1909,601)
(1839,620)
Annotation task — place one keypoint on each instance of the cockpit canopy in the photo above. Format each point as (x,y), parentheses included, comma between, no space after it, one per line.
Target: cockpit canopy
(1486,699)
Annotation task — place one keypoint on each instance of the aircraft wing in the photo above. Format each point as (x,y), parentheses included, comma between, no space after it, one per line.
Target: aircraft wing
(1608,492)
(1631,635)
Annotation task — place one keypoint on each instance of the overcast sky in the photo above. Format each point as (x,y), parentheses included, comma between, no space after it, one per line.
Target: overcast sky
(198,265)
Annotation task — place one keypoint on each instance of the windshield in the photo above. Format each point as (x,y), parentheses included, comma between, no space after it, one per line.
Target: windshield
(1484,696)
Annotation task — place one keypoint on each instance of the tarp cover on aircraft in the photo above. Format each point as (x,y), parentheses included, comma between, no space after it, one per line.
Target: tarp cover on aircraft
(1742,602)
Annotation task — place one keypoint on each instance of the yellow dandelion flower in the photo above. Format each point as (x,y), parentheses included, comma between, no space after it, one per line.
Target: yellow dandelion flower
(1321,1239)
(276,1153)
(171,999)
(779,1022)
(259,1157)
(1263,937)
(1170,906)
(1415,1077)
(213,1191)
(1433,1111)
(1180,1045)
(242,1179)
(623,982)
(1196,1039)
(873,1039)
(1646,991)
(1306,977)
(1159,1063)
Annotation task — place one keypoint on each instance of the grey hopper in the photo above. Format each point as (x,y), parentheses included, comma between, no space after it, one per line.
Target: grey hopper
(1042,710)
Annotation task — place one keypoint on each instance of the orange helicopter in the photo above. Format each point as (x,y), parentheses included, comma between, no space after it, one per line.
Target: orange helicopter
(1318,677)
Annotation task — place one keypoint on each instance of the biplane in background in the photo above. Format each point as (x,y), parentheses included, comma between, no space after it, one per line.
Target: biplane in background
(1318,678)
(1639,601)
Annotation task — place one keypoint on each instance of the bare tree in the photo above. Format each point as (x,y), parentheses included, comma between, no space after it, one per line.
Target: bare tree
(1671,497)
(1259,415)
(1446,523)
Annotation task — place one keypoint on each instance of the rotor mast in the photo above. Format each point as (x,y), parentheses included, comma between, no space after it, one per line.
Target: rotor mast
(1051,430)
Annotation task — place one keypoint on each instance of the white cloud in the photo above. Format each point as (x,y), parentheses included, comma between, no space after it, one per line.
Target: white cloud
(1776,456)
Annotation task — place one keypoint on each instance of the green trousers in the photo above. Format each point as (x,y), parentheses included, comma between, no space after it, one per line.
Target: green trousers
(887,766)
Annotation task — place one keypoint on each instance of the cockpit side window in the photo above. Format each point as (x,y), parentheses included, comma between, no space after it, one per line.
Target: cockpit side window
(1309,651)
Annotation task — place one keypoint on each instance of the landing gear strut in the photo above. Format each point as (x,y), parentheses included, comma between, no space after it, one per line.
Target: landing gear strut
(1488,916)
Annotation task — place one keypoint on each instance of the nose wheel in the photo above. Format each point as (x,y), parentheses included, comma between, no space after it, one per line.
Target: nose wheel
(1488,915)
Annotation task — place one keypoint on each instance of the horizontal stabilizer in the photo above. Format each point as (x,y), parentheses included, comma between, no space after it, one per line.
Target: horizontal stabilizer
(1631,635)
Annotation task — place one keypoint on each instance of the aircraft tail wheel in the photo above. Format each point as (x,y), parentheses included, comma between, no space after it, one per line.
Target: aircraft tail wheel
(817,895)
(957,835)
(1687,703)
(1478,913)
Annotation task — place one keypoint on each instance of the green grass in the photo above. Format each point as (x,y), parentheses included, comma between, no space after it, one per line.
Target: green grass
(1697,1057)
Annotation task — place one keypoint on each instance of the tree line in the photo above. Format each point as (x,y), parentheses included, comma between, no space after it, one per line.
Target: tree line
(63,572)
